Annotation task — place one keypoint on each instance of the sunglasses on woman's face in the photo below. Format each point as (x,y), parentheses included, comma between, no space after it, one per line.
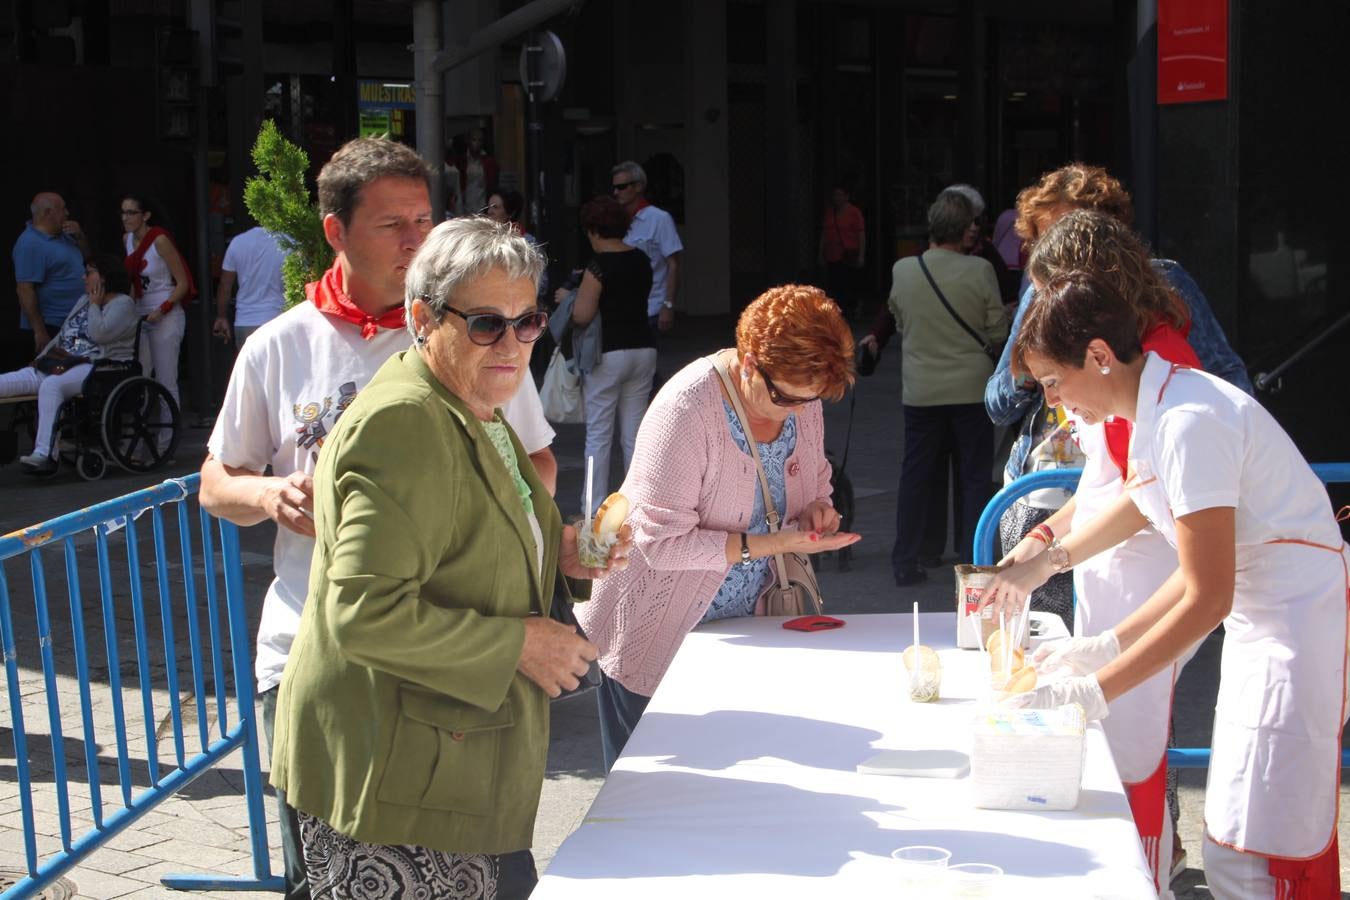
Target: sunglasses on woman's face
(486,329)
(778,398)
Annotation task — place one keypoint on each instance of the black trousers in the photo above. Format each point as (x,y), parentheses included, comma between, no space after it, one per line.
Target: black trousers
(971,434)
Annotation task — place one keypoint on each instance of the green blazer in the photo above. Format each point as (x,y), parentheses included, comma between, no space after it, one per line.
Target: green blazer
(401,717)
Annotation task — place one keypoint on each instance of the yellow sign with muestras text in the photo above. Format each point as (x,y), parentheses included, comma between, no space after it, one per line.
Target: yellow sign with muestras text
(385,94)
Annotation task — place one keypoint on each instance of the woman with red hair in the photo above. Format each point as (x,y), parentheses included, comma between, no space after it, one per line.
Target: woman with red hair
(703,547)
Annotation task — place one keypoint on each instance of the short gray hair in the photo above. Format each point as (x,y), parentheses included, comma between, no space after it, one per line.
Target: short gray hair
(949,217)
(969,192)
(632,170)
(460,250)
(42,202)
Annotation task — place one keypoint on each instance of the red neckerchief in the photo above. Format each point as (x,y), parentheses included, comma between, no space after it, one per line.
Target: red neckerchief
(135,264)
(1170,343)
(330,296)
(638,206)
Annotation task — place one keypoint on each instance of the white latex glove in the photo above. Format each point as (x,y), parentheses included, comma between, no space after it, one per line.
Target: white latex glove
(1080,689)
(1082,655)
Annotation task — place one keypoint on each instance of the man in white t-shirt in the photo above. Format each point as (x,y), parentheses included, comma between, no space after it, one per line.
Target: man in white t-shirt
(300,371)
(652,231)
(253,259)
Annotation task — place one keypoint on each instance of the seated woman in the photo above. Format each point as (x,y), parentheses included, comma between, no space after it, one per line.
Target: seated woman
(1259,551)
(701,536)
(412,721)
(102,325)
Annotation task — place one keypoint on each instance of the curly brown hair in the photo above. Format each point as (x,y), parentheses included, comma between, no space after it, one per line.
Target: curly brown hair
(1096,242)
(797,333)
(1078,185)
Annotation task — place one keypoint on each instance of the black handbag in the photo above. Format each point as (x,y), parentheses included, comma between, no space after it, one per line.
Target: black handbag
(561,611)
(865,363)
(56,360)
(992,350)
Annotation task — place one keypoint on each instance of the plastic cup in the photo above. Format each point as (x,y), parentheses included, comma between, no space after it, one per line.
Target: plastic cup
(925,684)
(973,881)
(920,868)
(593,550)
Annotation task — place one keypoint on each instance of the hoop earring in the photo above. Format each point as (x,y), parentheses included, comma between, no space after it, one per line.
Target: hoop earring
(1106,370)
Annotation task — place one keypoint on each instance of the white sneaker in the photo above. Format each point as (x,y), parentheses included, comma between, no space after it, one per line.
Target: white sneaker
(35,459)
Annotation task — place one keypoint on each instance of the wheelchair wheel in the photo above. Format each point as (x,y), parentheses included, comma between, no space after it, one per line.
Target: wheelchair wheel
(91,465)
(140,425)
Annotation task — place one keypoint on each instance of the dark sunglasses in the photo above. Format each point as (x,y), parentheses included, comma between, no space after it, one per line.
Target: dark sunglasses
(615,188)
(486,329)
(778,398)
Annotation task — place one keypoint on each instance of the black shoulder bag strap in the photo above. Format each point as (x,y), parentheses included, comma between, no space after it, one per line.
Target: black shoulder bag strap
(987,347)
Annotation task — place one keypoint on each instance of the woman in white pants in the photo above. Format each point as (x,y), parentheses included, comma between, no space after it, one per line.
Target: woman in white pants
(161,284)
(101,325)
(1259,551)
(614,287)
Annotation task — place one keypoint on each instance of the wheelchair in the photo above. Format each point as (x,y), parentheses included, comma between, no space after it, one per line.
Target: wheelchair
(120,416)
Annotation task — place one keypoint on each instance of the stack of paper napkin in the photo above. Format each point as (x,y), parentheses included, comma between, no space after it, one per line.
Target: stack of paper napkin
(1028,758)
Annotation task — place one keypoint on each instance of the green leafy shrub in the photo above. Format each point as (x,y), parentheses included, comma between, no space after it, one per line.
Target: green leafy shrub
(279,201)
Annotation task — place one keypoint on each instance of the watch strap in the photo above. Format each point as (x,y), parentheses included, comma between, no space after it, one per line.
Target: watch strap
(745,549)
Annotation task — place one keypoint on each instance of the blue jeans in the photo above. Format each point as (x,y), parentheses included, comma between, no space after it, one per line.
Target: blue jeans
(620,710)
(292,859)
(971,435)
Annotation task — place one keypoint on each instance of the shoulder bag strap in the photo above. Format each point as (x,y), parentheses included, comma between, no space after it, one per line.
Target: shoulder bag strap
(770,512)
(984,345)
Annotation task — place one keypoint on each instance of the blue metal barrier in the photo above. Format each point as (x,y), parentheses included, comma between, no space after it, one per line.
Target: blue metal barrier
(203,657)
(986,552)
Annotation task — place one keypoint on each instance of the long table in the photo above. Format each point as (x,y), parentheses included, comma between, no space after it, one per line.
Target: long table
(740,780)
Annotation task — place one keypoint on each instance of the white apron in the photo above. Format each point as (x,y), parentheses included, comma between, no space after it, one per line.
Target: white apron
(1274,771)
(1109,587)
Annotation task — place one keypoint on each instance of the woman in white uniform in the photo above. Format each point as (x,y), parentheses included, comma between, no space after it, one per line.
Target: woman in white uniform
(1117,581)
(161,285)
(1259,551)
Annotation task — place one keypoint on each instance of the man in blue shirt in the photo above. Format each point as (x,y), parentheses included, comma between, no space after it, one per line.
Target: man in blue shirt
(48,270)
(652,231)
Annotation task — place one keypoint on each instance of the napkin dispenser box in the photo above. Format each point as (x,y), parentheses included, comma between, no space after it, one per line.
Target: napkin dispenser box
(1028,758)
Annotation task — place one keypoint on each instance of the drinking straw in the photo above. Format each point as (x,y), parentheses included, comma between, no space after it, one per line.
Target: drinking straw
(590,476)
(1007,644)
(974,621)
(914,676)
(1026,621)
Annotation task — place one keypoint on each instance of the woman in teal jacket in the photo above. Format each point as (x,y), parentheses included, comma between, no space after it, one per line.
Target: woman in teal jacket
(412,723)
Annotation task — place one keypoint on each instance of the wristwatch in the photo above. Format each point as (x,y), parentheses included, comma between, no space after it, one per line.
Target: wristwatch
(666,304)
(1057,556)
(745,549)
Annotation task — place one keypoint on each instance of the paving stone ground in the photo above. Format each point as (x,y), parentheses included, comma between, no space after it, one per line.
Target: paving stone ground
(204,827)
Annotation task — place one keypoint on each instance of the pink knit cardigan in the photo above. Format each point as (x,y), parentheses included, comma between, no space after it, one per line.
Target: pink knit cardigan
(689,485)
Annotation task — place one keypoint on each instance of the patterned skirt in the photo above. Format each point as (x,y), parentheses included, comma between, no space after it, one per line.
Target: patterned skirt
(343,868)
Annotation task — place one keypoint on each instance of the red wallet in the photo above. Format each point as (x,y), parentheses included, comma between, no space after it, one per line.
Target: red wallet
(813,623)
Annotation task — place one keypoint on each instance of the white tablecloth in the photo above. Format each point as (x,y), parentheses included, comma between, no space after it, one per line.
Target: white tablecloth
(740,780)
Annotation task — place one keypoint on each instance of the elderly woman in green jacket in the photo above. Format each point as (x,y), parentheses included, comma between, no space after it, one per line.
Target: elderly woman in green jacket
(412,722)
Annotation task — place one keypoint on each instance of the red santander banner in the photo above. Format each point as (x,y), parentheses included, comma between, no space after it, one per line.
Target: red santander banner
(1192,50)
